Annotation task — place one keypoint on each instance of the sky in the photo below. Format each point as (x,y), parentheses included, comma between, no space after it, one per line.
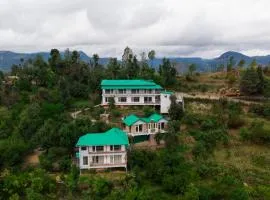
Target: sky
(182,28)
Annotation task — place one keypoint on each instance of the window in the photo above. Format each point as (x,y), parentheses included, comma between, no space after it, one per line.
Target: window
(157,99)
(83,148)
(122,99)
(139,128)
(117,159)
(147,99)
(111,159)
(98,159)
(135,99)
(93,148)
(135,91)
(108,91)
(162,125)
(85,160)
(148,91)
(158,125)
(122,91)
(157,91)
(115,147)
(106,99)
(99,148)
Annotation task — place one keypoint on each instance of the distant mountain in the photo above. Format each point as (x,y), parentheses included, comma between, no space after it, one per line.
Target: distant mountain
(8,58)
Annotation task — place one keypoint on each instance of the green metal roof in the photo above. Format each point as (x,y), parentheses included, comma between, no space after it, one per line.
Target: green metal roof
(166,92)
(114,136)
(132,119)
(129,84)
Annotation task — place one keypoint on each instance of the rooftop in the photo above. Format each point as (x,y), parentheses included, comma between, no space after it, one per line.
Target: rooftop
(114,136)
(129,84)
(132,119)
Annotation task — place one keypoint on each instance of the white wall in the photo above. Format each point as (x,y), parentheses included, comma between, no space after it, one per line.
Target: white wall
(165,103)
(107,153)
(129,96)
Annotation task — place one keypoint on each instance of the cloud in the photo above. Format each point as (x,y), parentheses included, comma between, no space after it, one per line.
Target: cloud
(171,27)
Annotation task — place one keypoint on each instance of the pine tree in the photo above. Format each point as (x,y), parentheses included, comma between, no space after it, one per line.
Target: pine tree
(250,81)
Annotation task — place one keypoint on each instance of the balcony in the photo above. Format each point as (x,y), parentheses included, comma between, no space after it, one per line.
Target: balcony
(106,152)
(108,165)
(147,132)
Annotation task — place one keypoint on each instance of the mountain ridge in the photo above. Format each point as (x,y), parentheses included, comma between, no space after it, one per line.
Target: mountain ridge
(8,58)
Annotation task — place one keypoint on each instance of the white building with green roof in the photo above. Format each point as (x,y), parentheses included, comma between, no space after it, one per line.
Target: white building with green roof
(103,150)
(135,92)
(139,126)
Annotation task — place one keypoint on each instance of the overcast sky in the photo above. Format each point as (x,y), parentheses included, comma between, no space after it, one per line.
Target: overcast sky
(202,28)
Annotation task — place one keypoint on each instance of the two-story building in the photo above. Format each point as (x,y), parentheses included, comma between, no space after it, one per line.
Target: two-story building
(135,92)
(103,150)
(131,92)
(138,126)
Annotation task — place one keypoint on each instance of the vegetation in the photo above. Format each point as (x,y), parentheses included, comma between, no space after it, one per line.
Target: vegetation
(219,151)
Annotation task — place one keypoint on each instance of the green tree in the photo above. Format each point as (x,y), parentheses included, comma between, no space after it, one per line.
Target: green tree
(242,63)
(151,56)
(192,68)
(167,72)
(95,60)
(253,64)
(176,110)
(113,68)
(249,82)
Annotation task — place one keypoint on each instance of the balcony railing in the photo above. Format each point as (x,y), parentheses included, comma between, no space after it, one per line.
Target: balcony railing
(148,132)
(106,152)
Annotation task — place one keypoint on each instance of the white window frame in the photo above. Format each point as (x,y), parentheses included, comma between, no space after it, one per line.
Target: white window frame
(85,160)
(120,99)
(122,91)
(132,99)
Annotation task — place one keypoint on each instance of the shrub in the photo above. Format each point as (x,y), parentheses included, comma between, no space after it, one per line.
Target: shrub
(148,110)
(235,121)
(245,134)
(115,113)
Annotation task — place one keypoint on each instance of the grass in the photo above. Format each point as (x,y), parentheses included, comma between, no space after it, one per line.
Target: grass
(204,83)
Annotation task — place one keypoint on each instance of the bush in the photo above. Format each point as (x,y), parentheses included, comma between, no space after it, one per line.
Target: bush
(257,133)
(261,110)
(148,111)
(235,121)
(115,113)
(245,134)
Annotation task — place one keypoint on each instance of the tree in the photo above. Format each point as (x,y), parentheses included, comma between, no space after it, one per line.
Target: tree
(55,58)
(261,85)
(128,55)
(192,68)
(113,68)
(230,64)
(151,56)
(167,72)
(95,60)
(111,103)
(241,63)
(253,64)
(249,82)
(75,56)
(176,110)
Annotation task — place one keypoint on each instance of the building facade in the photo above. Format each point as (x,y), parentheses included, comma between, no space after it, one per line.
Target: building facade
(103,150)
(131,92)
(139,126)
(136,92)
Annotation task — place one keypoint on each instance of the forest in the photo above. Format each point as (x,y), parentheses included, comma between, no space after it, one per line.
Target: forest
(214,149)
